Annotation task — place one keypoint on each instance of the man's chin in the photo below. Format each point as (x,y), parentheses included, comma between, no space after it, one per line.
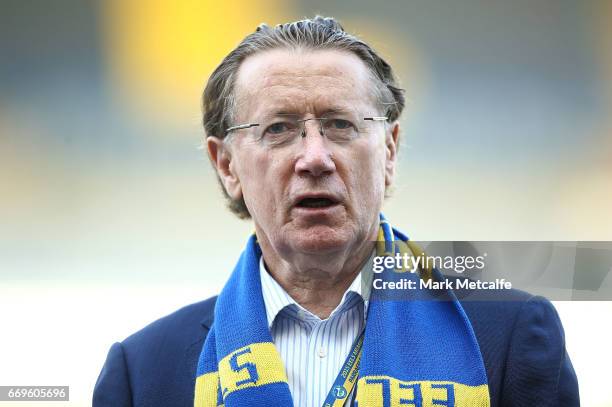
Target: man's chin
(319,239)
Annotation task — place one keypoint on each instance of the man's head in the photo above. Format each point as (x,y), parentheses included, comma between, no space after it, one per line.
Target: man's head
(307,155)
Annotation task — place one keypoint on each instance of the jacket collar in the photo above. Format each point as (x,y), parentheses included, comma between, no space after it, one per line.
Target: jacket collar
(209,313)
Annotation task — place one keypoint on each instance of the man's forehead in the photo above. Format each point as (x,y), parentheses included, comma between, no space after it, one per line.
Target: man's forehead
(303,79)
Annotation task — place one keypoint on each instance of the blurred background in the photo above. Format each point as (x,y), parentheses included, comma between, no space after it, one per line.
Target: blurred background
(111,214)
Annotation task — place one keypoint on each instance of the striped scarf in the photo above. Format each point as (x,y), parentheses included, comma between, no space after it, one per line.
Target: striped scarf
(418,348)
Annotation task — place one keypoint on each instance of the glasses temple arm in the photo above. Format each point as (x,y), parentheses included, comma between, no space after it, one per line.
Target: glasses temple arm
(241,126)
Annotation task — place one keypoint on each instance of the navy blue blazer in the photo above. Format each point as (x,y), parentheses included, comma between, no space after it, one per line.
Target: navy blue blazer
(520,337)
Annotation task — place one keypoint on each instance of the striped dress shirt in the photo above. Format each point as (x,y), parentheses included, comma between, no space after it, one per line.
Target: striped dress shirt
(314,350)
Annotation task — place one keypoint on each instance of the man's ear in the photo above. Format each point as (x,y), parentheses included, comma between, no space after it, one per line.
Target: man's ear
(391,147)
(220,155)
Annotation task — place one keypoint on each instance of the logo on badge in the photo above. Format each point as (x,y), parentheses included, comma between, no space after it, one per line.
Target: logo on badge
(339,392)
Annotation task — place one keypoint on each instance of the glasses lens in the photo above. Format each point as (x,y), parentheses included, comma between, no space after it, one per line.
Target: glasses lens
(339,129)
(280,131)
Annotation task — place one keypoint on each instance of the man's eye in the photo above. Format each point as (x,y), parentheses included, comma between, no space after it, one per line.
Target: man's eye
(279,128)
(339,124)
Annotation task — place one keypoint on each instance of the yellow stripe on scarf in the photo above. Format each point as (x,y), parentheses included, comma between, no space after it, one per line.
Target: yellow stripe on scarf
(254,365)
(409,247)
(388,391)
(206,389)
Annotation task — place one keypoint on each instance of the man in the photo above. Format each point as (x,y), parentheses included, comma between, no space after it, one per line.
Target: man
(302,129)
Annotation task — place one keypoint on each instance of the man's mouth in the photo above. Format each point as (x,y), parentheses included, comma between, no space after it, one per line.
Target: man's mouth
(316,202)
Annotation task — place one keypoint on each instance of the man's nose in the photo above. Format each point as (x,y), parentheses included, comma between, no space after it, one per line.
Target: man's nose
(315,156)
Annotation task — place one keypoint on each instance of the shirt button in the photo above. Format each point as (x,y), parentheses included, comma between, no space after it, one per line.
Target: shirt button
(322,352)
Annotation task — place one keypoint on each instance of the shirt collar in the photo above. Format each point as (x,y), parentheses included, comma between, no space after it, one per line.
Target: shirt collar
(276,298)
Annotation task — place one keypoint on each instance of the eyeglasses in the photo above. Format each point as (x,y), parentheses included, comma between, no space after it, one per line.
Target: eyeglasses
(283,130)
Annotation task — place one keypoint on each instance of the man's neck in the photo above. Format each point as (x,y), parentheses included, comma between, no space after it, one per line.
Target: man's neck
(318,289)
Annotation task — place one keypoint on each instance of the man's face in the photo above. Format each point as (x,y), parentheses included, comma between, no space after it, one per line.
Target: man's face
(312,195)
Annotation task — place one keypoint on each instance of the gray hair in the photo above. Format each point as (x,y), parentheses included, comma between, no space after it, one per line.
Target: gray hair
(218,100)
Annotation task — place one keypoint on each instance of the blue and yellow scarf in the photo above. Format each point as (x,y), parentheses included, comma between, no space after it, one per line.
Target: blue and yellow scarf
(417,349)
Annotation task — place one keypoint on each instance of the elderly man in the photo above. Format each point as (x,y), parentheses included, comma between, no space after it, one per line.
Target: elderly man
(302,129)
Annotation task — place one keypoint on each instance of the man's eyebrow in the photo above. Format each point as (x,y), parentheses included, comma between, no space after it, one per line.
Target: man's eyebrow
(296,112)
(286,113)
(280,113)
(335,110)
(330,110)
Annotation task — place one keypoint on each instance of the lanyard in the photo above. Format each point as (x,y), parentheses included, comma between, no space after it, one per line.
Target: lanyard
(347,378)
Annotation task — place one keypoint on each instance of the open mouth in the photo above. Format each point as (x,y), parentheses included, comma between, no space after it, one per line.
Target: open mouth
(316,202)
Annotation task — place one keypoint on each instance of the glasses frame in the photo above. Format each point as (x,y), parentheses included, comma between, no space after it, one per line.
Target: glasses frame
(249,125)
